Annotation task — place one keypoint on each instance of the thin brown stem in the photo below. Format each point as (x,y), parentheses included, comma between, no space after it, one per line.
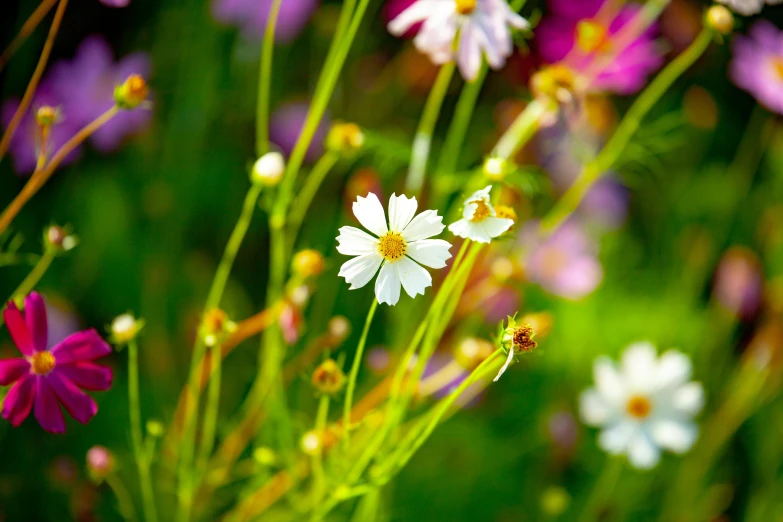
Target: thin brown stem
(27,29)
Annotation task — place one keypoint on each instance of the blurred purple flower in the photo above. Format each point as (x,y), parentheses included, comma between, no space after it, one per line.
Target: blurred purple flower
(378,360)
(575,26)
(251,16)
(442,375)
(286,124)
(563,430)
(115,3)
(757,66)
(738,283)
(564,263)
(86,85)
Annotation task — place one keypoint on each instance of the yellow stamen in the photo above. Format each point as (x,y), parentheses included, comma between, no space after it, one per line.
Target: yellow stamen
(42,363)
(482,210)
(777,66)
(505,212)
(465,7)
(638,407)
(392,246)
(592,36)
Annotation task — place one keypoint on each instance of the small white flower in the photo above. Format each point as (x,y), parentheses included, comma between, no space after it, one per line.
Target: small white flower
(473,27)
(479,222)
(645,405)
(399,247)
(268,169)
(748,7)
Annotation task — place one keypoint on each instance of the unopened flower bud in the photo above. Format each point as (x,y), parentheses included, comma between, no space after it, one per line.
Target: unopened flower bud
(125,328)
(155,428)
(495,169)
(328,377)
(46,115)
(339,329)
(471,351)
(59,239)
(720,18)
(100,463)
(215,325)
(132,93)
(308,263)
(345,138)
(268,169)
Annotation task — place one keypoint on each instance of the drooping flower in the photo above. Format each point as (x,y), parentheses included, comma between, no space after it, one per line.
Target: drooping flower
(479,27)
(748,7)
(251,16)
(43,379)
(644,405)
(398,249)
(479,221)
(578,35)
(757,65)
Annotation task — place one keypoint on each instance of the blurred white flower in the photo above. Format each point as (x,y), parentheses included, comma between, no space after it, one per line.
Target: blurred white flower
(645,405)
(479,221)
(477,26)
(748,7)
(399,247)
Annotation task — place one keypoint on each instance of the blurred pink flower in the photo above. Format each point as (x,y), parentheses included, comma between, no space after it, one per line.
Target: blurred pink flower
(574,33)
(738,282)
(251,16)
(115,3)
(286,125)
(393,8)
(757,66)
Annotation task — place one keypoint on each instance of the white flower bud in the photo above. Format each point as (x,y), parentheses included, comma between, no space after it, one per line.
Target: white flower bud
(268,169)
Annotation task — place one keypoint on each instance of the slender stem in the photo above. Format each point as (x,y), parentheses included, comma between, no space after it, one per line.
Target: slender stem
(357,362)
(29,26)
(319,479)
(309,190)
(32,279)
(593,170)
(602,489)
(265,80)
(423,139)
(521,130)
(40,177)
(27,98)
(211,411)
(137,435)
(124,502)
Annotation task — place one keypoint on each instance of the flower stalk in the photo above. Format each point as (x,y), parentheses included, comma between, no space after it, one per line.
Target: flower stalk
(357,362)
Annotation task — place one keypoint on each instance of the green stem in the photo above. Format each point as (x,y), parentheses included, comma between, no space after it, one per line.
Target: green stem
(212,409)
(265,80)
(357,362)
(521,130)
(423,139)
(124,502)
(137,435)
(603,487)
(319,479)
(32,279)
(593,170)
(309,190)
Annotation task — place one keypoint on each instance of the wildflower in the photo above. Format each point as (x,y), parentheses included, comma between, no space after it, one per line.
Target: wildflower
(748,7)
(131,93)
(307,263)
(125,328)
(45,378)
(268,169)
(757,65)
(328,377)
(738,282)
(478,26)
(576,35)
(720,19)
(645,405)
(59,239)
(479,221)
(251,16)
(286,124)
(115,3)
(291,321)
(100,463)
(345,138)
(516,337)
(215,325)
(398,249)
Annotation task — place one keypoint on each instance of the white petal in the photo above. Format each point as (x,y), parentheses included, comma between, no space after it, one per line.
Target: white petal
(355,242)
(615,438)
(369,212)
(401,211)
(639,365)
(496,226)
(469,54)
(430,252)
(417,12)
(387,286)
(426,224)
(689,398)
(642,451)
(359,270)
(413,277)
(608,381)
(674,369)
(470,230)
(595,411)
(674,435)
(517,22)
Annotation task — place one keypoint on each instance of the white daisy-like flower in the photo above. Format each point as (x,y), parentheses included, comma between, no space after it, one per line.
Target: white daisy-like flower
(468,28)
(645,405)
(748,7)
(399,246)
(479,220)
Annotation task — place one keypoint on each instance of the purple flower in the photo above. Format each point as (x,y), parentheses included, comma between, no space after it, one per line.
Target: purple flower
(564,263)
(443,375)
(115,3)
(86,85)
(757,66)
(251,16)
(45,378)
(286,124)
(575,34)
(738,282)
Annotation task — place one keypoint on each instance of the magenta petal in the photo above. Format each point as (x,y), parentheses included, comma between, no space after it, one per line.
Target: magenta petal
(14,320)
(11,370)
(47,409)
(87,375)
(79,405)
(19,401)
(86,345)
(35,317)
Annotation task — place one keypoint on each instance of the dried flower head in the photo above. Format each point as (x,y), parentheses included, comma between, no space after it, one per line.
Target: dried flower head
(307,263)
(516,337)
(132,93)
(328,377)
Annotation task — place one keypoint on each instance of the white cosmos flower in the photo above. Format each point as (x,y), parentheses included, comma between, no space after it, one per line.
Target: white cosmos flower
(399,247)
(748,7)
(479,221)
(644,405)
(472,27)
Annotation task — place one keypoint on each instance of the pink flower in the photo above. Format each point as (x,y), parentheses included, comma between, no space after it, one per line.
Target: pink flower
(757,66)
(43,379)
(251,16)
(115,3)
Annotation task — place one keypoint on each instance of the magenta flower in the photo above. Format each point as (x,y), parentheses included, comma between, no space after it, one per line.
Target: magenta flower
(574,34)
(757,66)
(115,3)
(251,16)
(44,379)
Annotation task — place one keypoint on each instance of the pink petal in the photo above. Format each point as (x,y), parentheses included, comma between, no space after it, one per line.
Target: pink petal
(11,370)
(19,401)
(87,375)
(47,409)
(14,320)
(86,345)
(35,317)
(78,404)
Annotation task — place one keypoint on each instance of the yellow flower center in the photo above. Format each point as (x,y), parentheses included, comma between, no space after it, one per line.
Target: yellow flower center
(392,246)
(482,211)
(777,66)
(43,363)
(505,212)
(638,407)
(465,7)
(592,36)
